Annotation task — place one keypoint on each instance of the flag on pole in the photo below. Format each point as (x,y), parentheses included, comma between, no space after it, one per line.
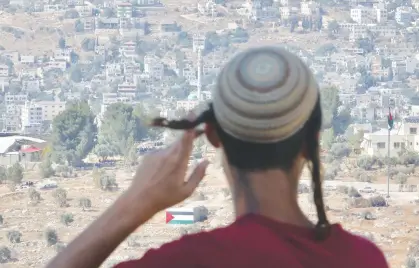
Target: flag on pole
(390,120)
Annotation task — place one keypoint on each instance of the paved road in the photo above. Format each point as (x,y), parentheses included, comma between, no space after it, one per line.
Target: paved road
(358,185)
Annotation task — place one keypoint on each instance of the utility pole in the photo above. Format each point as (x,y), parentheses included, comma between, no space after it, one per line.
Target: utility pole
(388,164)
(390,121)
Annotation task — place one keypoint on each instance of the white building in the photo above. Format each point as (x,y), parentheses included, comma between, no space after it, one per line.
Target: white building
(198,42)
(4,70)
(31,118)
(186,105)
(402,137)
(50,109)
(111,98)
(382,15)
(14,104)
(153,67)
(362,14)
(309,8)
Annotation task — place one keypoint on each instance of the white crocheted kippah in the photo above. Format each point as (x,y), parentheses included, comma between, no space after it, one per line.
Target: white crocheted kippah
(264,95)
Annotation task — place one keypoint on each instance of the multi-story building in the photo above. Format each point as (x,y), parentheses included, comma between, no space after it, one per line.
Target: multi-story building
(127,90)
(309,8)
(50,109)
(148,2)
(31,118)
(362,14)
(127,49)
(382,15)
(4,70)
(153,67)
(287,12)
(111,98)
(186,105)
(124,10)
(14,104)
(84,10)
(404,136)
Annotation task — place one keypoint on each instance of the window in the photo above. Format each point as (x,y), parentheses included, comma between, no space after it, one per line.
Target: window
(403,145)
(381,145)
(413,130)
(396,145)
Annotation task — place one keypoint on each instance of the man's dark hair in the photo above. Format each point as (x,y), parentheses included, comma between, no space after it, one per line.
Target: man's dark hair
(249,156)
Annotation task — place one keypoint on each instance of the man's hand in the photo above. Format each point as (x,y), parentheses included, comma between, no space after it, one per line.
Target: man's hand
(160,179)
(159,183)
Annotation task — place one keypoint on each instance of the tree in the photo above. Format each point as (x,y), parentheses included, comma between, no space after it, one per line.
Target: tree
(46,169)
(74,57)
(120,128)
(390,74)
(330,103)
(75,74)
(339,150)
(61,43)
(293,23)
(3,174)
(34,196)
(104,181)
(366,44)
(78,26)
(85,203)
(365,162)
(143,117)
(333,27)
(341,120)
(74,133)
(108,12)
(328,137)
(71,14)
(306,24)
(400,178)
(60,196)
(326,50)
(88,44)
(409,158)
(15,173)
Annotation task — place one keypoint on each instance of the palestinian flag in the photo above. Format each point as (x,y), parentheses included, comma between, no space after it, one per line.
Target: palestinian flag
(390,120)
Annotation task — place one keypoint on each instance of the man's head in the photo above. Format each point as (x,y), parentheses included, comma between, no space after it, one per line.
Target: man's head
(266,115)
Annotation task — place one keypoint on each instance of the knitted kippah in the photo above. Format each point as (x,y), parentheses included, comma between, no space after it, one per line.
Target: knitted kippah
(264,95)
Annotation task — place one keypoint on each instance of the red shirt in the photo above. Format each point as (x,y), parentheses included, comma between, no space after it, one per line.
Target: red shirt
(255,241)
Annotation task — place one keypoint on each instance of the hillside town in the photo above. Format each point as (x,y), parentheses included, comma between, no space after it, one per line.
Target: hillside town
(80,80)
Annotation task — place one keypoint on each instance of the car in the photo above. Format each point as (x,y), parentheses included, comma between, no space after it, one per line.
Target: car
(367,189)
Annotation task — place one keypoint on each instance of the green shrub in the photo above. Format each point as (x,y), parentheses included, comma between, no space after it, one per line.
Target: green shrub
(51,237)
(67,218)
(14,237)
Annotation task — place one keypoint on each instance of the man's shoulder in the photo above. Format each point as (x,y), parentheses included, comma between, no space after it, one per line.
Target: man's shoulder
(186,251)
(365,247)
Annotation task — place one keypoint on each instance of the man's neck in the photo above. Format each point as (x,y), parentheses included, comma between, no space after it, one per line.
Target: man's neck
(272,194)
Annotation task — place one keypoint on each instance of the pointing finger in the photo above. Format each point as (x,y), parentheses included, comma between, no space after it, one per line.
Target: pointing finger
(196,177)
(187,142)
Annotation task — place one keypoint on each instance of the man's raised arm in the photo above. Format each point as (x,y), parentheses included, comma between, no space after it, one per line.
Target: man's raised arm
(159,183)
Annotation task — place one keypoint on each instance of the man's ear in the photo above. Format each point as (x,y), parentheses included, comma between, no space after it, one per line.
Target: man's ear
(212,135)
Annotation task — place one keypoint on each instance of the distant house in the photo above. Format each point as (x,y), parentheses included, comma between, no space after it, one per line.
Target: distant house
(404,136)
(14,149)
